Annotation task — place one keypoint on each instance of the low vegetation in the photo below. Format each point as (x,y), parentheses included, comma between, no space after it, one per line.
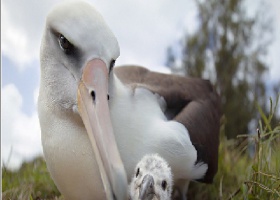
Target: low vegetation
(31,182)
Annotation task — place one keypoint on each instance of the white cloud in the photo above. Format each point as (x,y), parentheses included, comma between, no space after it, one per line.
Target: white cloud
(22,22)
(21,138)
(144,28)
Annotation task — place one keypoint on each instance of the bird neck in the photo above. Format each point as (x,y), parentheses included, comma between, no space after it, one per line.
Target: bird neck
(116,87)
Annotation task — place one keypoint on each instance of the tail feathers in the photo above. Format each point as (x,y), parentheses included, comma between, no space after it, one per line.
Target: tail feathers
(199,171)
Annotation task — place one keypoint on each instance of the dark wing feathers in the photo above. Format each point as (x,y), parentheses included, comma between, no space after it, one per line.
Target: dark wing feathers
(190,101)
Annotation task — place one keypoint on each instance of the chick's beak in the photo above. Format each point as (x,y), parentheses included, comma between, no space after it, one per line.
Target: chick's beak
(147,189)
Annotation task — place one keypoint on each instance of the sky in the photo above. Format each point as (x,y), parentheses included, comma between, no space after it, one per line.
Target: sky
(144,29)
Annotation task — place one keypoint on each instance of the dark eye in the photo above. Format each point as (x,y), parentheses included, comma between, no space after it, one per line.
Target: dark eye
(112,64)
(163,184)
(64,44)
(138,171)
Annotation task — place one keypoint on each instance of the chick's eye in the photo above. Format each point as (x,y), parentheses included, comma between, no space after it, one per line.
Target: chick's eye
(64,43)
(163,184)
(137,172)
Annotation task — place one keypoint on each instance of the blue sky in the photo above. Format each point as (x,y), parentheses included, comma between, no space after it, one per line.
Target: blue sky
(144,36)
(25,80)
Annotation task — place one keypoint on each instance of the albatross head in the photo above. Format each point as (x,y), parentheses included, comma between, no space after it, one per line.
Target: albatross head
(78,52)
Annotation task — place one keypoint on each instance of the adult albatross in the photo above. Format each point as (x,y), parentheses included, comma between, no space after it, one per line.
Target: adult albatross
(98,121)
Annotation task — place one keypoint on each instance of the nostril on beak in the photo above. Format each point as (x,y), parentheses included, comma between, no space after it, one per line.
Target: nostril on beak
(108,97)
(92,93)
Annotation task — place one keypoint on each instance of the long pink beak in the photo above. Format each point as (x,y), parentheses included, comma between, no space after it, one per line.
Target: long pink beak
(94,110)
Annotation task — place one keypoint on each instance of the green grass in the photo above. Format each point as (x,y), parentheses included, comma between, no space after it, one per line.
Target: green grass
(32,181)
(238,177)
